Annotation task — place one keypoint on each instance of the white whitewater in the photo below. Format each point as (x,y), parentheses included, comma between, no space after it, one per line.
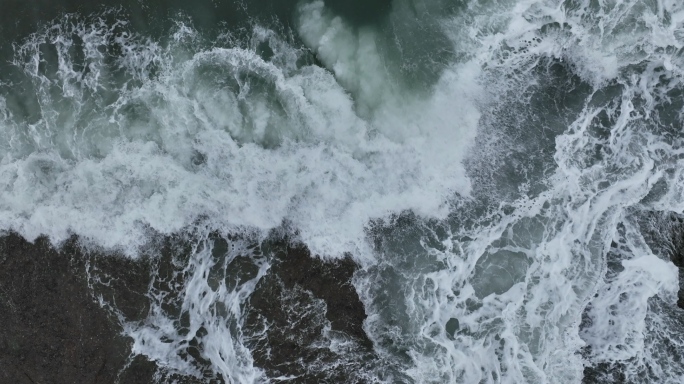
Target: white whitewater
(515,196)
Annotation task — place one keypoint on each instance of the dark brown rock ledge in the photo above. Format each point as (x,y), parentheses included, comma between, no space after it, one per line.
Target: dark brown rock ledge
(298,299)
(54,331)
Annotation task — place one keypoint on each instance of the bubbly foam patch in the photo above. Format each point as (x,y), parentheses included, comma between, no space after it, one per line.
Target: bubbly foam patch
(574,104)
(619,313)
(544,252)
(191,131)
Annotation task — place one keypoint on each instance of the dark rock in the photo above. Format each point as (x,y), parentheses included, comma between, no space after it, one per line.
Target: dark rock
(293,304)
(122,282)
(451,327)
(604,373)
(52,329)
(329,281)
(55,329)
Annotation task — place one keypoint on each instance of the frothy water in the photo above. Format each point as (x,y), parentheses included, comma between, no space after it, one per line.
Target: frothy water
(489,164)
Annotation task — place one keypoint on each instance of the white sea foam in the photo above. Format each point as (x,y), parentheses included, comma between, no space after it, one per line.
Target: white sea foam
(277,143)
(624,305)
(130,137)
(164,137)
(518,286)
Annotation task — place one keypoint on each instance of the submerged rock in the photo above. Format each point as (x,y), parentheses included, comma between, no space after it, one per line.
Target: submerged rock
(61,312)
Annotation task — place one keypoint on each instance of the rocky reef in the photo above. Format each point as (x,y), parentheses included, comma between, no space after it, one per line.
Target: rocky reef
(60,326)
(53,331)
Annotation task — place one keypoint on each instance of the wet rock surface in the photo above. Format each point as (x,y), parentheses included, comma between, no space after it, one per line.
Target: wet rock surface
(302,309)
(52,329)
(304,320)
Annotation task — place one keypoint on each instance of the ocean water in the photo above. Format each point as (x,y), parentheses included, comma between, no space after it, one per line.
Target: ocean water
(503,171)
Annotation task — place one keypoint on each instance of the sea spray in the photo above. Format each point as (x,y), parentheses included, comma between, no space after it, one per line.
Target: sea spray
(481,180)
